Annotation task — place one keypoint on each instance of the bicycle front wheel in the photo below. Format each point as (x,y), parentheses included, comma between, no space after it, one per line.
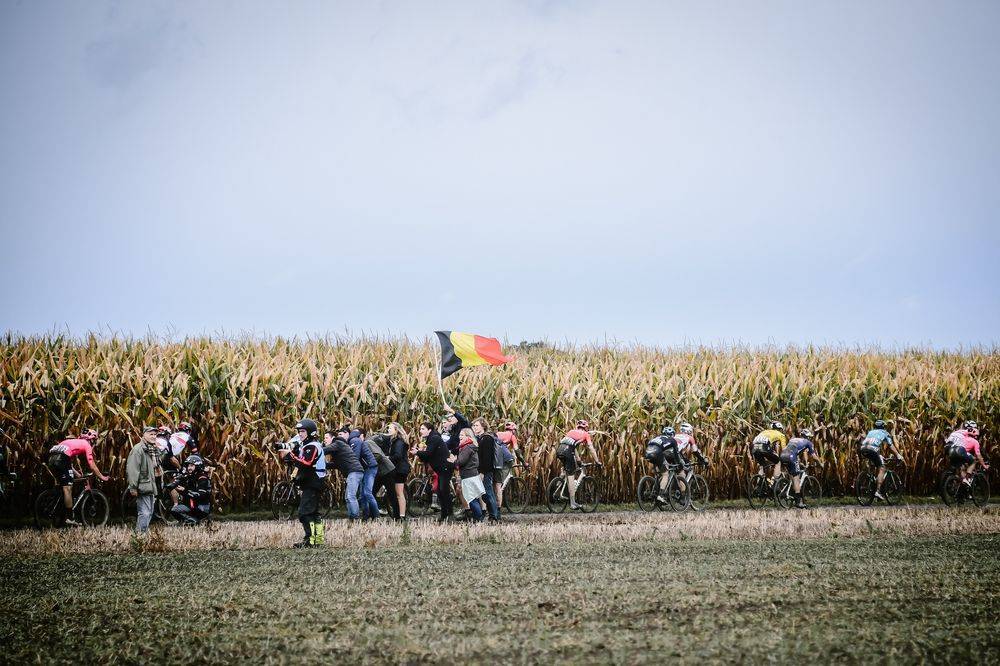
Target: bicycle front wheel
(94,508)
(783,493)
(588,494)
(49,509)
(811,490)
(698,492)
(645,493)
(679,499)
(515,495)
(284,500)
(865,486)
(556,498)
(892,488)
(419,503)
(980,490)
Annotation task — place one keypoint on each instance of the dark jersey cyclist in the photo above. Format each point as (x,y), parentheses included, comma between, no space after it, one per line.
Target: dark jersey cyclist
(566,452)
(194,489)
(801,445)
(662,451)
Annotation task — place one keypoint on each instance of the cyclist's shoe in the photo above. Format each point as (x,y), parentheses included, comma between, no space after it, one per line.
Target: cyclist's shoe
(799,504)
(879,495)
(576,507)
(434,503)
(967,482)
(662,498)
(72,522)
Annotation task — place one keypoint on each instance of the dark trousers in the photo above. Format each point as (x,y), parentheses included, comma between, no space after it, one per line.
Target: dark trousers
(491,496)
(309,506)
(444,493)
(385,481)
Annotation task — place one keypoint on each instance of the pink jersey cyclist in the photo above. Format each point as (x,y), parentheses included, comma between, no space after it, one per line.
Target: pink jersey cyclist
(75,448)
(61,457)
(580,436)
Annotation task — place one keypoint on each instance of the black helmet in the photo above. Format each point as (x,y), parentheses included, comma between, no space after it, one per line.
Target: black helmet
(668,431)
(308,425)
(880,425)
(195,460)
(777,425)
(970,425)
(805,432)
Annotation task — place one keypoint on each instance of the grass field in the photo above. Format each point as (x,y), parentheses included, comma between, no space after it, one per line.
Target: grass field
(897,585)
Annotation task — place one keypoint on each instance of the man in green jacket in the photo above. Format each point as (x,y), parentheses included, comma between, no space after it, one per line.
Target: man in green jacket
(143,471)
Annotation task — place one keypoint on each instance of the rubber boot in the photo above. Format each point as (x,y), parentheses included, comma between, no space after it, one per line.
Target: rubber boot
(318,534)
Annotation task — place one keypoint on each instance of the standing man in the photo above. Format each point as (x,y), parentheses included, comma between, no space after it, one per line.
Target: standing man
(487,466)
(142,469)
(369,506)
(342,457)
(311,464)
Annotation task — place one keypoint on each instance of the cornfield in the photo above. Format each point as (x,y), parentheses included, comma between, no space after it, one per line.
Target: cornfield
(244,394)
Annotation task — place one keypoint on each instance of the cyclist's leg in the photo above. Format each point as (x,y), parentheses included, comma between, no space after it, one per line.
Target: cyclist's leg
(571,478)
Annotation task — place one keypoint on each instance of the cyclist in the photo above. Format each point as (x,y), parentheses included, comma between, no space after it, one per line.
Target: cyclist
(510,452)
(167,459)
(177,442)
(61,463)
(566,452)
(871,450)
(657,452)
(195,489)
(968,453)
(766,448)
(687,446)
(790,460)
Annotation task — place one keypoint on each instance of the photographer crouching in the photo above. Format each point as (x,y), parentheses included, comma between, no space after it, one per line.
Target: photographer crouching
(194,492)
(311,465)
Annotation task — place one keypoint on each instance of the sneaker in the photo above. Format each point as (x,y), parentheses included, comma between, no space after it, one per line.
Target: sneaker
(879,495)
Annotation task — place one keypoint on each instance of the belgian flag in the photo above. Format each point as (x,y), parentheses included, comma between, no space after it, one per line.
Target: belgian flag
(464,350)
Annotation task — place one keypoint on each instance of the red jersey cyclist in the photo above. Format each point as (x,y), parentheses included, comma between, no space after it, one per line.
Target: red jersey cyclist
(570,461)
(61,464)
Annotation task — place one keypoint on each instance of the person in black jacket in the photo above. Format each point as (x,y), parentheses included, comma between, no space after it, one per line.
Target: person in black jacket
(398,449)
(440,459)
(194,492)
(342,457)
(456,423)
(487,465)
(311,464)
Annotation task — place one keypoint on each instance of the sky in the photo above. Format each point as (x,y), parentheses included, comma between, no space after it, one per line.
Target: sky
(660,173)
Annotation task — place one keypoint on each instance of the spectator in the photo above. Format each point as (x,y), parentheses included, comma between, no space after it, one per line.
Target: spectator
(342,457)
(369,507)
(378,444)
(194,489)
(141,470)
(456,423)
(399,454)
(467,464)
(487,466)
(435,453)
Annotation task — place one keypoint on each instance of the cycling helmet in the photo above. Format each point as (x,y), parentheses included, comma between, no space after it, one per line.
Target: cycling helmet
(510,425)
(687,428)
(583,424)
(195,460)
(970,425)
(163,430)
(668,431)
(777,425)
(880,425)
(184,426)
(805,432)
(308,425)
(88,434)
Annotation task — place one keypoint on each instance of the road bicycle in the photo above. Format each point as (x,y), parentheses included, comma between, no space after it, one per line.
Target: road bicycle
(955,492)
(588,491)
(285,498)
(647,493)
(90,505)
(867,483)
(422,498)
(695,493)
(514,491)
(808,484)
(760,490)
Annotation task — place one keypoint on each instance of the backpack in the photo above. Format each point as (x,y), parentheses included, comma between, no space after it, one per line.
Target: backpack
(498,450)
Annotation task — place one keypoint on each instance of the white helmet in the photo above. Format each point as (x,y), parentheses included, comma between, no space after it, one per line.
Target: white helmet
(687,428)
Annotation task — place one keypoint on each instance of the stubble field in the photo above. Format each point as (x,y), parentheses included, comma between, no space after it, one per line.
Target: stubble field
(899,585)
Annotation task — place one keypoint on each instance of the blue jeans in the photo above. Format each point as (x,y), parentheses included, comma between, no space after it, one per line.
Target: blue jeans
(354,480)
(491,497)
(477,511)
(368,503)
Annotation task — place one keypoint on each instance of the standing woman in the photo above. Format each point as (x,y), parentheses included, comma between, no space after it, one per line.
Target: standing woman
(467,465)
(399,449)
(437,456)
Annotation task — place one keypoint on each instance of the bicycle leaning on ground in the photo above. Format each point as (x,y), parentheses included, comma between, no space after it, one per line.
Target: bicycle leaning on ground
(867,483)
(955,492)
(809,485)
(90,505)
(588,491)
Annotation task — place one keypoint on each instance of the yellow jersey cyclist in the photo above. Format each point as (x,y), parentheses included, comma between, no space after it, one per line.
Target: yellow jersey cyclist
(871,450)
(566,452)
(798,446)
(767,447)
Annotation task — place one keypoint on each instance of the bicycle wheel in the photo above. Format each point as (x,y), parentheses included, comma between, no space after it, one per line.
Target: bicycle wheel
(556,498)
(980,490)
(515,495)
(951,489)
(645,493)
(49,509)
(327,501)
(420,497)
(94,508)
(679,500)
(698,492)
(783,492)
(892,488)
(128,509)
(588,494)
(284,500)
(811,490)
(759,491)
(865,486)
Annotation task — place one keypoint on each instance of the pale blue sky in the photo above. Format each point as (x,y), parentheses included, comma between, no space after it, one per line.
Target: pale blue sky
(660,172)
